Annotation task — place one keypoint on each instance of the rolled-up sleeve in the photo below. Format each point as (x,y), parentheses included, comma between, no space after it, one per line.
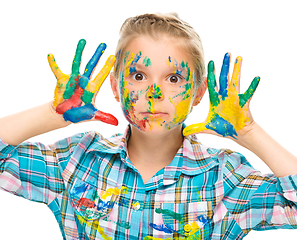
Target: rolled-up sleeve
(258,201)
(34,170)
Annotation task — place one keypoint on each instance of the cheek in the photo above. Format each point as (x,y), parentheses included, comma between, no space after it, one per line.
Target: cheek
(182,103)
(130,96)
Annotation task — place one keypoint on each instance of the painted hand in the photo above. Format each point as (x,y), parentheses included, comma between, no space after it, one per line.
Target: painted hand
(229,111)
(75,93)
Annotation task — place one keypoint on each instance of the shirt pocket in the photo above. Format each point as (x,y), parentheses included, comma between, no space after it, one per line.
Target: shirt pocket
(92,203)
(186,219)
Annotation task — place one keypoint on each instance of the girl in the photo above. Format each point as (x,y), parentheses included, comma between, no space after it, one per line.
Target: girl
(156,181)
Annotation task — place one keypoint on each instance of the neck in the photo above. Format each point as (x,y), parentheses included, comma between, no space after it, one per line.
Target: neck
(157,150)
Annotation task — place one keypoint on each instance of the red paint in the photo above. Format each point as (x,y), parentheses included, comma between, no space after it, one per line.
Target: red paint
(106,117)
(73,102)
(86,203)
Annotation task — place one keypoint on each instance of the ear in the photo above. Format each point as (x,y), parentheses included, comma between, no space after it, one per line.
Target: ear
(114,87)
(200,91)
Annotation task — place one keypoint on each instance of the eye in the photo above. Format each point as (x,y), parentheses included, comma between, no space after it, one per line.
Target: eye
(138,76)
(174,79)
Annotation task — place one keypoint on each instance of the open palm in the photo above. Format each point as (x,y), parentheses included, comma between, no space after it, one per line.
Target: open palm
(75,93)
(229,111)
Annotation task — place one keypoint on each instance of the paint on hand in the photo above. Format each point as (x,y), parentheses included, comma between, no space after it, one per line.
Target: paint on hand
(228,110)
(74,93)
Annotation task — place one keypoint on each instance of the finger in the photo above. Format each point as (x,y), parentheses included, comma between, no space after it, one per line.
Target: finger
(106,117)
(74,77)
(94,60)
(102,75)
(224,76)
(244,98)
(211,83)
(234,84)
(95,84)
(79,114)
(85,78)
(194,128)
(77,57)
(54,67)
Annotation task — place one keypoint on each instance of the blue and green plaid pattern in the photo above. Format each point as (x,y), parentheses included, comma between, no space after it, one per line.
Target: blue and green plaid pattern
(95,192)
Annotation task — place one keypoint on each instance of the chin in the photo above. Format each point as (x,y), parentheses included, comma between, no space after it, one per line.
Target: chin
(156,127)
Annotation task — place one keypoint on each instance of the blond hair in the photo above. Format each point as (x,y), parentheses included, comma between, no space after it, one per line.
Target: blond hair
(156,26)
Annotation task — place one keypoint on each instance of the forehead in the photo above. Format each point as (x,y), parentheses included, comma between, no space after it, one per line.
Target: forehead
(162,50)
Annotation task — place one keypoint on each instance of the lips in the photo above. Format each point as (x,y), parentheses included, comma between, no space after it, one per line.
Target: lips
(155,115)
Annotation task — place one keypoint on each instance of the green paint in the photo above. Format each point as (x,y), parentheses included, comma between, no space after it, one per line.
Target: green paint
(211,83)
(243,98)
(147,62)
(188,72)
(172,214)
(124,224)
(87,96)
(156,91)
(77,58)
(74,77)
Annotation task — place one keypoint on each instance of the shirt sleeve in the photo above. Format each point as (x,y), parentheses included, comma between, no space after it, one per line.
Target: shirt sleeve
(33,170)
(257,201)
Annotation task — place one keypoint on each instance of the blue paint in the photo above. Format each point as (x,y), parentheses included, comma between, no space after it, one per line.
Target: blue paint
(169,59)
(80,189)
(104,206)
(224,76)
(85,112)
(132,68)
(94,60)
(83,82)
(203,218)
(221,126)
(161,228)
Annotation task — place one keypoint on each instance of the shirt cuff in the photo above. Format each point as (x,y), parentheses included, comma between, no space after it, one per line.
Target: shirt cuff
(288,187)
(5,149)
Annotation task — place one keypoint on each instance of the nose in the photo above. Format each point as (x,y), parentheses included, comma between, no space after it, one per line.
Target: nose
(154,92)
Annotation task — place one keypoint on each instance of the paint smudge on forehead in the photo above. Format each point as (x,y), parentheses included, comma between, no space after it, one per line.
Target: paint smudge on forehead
(147,61)
(129,65)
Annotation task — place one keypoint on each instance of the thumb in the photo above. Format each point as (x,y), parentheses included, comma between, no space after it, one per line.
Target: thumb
(194,128)
(106,117)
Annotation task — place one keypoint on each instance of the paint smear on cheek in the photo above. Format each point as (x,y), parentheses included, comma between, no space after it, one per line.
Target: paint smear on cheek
(182,105)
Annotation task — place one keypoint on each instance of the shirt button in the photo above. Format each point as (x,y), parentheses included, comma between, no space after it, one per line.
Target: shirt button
(187,228)
(136,206)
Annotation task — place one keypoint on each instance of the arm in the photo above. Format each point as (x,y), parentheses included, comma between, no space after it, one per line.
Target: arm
(229,116)
(74,101)
(276,157)
(19,127)
(257,201)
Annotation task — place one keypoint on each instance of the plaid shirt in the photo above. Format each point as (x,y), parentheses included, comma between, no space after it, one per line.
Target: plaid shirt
(95,192)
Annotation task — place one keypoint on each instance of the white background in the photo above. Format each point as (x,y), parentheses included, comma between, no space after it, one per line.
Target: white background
(262,32)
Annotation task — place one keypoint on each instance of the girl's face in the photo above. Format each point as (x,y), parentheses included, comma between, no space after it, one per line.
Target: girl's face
(157,85)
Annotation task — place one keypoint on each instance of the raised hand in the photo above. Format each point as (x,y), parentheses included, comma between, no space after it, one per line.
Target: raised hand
(229,111)
(75,93)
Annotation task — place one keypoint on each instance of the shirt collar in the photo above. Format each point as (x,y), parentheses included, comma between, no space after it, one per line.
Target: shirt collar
(192,158)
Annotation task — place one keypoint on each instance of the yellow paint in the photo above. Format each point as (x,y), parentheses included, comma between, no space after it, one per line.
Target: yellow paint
(94,85)
(91,223)
(229,108)
(113,191)
(126,67)
(62,80)
(135,204)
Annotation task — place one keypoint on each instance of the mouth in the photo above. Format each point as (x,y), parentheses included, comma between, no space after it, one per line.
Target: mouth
(155,115)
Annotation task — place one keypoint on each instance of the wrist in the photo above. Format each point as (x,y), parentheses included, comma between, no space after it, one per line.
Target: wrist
(246,136)
(56,117)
